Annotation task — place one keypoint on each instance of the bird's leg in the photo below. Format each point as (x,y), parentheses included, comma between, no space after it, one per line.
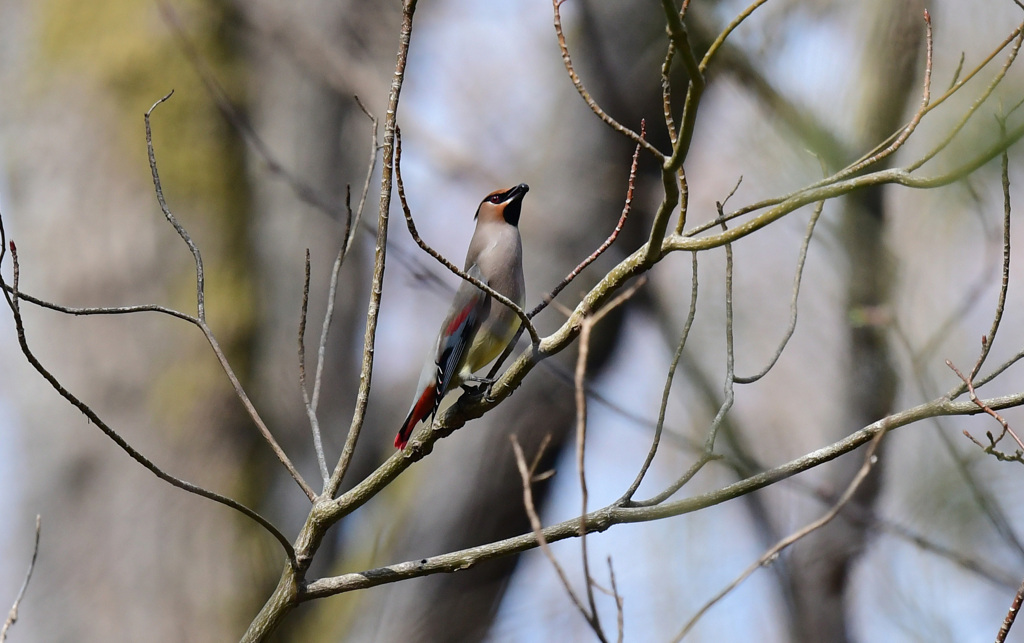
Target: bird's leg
(481,387)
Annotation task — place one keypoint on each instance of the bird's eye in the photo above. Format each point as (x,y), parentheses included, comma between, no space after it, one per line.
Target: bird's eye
(495,198)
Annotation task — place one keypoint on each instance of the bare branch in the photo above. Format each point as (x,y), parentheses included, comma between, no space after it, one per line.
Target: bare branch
(291,586)
(1017,37)
(380,252)
(581,434)
(1004,285)
(12,616)
(769,556)
(628,496)
(370,165)
(200,279)
(604,518)
(314,424)
(626,207)
(201,314)
(904,176)
(107,310)
(801,259)
(1011,615)
(13,302)
(666,92)
(351,222)
(526,474)
(587,98)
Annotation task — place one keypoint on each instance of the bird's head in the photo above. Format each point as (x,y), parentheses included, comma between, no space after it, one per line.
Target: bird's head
(503,205)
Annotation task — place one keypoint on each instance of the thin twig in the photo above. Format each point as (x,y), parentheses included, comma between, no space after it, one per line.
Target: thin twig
(1017,37)
(12,616)
(876,156)
(1004,283)
(13,302)
(666,389)
(581,434)
(587,98)
(1011,615)
(538,533)
(730,377)
(200,279)
(769,556)
(666,92)
(321,354)
(351,222)
(793,308)
(201,313)
(380,250)
(987,340)
(626,208)
(370,165)
(987,409)
(730,353)
(104,310)
(314,424)
(619,615)
(720,40)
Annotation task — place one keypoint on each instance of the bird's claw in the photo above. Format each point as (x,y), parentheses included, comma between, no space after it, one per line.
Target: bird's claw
(482,388)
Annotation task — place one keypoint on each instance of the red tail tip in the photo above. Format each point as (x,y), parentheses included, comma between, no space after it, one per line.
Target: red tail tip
(420,410)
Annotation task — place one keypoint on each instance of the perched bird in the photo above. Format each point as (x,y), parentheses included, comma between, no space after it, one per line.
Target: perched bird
(476,329)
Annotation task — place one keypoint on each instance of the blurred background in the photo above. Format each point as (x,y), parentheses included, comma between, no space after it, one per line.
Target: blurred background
(256,148)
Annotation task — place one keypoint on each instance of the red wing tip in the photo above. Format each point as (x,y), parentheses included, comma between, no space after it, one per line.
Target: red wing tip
(400,442)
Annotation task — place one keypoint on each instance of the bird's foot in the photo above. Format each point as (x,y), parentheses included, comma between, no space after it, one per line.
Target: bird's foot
(482,387)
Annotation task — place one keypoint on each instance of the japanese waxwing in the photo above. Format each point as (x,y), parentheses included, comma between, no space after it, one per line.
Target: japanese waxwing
(476,329)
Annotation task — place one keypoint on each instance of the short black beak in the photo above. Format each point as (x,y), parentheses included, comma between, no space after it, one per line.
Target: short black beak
(514,203)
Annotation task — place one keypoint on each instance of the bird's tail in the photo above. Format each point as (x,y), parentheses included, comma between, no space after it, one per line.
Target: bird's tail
(423,407)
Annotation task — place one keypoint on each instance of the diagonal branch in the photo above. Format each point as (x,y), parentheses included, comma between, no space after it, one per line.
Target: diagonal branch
(587,98)
(766,559)
(626,207)
(12,616)
(602,519)
(13,302)
(526,473)
(380,252)
(801,259)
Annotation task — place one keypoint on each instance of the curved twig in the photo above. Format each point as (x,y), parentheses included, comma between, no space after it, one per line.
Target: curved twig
(793,309)
(12,615)
(201,313)
(587,98)
(626,207)
(13,298)
(775,550)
